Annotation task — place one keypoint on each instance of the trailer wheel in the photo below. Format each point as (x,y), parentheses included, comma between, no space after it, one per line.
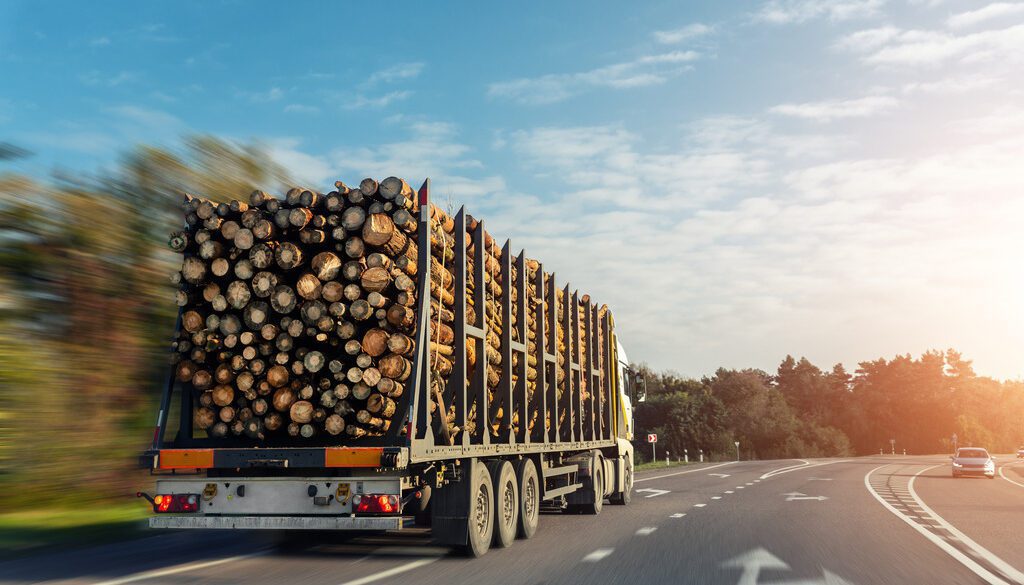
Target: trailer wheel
(597,481)
(529,498)
(622,498)
(480,521)
(506,502)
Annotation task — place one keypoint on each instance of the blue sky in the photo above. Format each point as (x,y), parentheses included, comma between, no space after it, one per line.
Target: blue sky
(738,180)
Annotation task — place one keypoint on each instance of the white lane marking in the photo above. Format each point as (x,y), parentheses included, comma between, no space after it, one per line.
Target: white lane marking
(654,493)
(177,569)
(391,572)
(729,492)
(757,481)
(597,555)
(939,542)
(699,505)
(1003,475)
(716,497)
(646,530)
(722,475)
(678,515)
(739,487)
(806,465)
(979,550)
(682,472)
(819,479)
(796,496)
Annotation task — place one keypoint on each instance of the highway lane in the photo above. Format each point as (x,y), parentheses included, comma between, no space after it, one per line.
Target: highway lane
(793,521)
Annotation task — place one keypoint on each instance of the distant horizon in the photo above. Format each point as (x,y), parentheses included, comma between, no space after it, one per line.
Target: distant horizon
(736,181)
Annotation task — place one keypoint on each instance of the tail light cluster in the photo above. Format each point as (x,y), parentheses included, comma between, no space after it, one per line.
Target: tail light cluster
(176,503)
(376,504)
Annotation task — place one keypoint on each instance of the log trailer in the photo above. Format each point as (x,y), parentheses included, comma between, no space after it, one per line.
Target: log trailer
(475,489)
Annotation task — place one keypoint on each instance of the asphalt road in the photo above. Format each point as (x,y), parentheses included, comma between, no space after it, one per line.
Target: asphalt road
(866,520)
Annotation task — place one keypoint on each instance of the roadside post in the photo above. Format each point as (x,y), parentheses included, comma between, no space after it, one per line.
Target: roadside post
(667,460)
(702,455)
(652,438)
(686,455)
(892,443)
(737,443)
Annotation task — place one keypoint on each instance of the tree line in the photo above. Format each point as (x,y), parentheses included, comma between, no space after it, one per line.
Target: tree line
(801,410)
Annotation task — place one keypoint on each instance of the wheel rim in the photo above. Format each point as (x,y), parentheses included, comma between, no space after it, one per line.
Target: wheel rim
(508,504)
(529,498)
(483,504)
(629,478)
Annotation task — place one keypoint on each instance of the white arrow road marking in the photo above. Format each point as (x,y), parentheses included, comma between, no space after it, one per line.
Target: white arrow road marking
(654,493)
(756,560)
(597,555)
(646,530)
(795,496)
(678,515)
(719,474)
(752,562)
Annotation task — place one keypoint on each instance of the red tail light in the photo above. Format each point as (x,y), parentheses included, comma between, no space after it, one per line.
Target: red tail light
(376,504)
(176,503)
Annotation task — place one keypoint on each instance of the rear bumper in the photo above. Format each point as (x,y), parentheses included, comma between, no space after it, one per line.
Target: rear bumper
(277,522)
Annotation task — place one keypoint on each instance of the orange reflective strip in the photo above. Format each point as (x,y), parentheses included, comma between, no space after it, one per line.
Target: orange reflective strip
(185,458)
(361,457)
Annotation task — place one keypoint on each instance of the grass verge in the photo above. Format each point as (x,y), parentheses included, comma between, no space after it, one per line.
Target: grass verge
(30,530)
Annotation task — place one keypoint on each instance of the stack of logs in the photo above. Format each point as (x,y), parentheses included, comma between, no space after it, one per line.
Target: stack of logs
(299,314)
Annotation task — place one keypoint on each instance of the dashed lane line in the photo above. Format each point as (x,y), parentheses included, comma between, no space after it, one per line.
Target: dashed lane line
(391,572)
(598,554)
(646,530)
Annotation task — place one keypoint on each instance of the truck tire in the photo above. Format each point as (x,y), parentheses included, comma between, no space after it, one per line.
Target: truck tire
(626,495)
(506,502)
(529,498)
(480,520)
(593,489)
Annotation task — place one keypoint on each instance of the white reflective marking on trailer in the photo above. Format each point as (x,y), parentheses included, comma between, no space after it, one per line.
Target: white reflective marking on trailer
(646,530)
(391,572)
(177,569)
(597,555)
(682,472)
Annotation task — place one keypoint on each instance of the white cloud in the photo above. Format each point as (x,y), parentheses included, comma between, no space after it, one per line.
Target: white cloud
(829,110)
(146,117)
(643,71)
(96,78)
(271,95)
(359,101)
(395,73)
(301,109)
(99,42)
(985,14)
(675,36)
(799,11)
(932,48)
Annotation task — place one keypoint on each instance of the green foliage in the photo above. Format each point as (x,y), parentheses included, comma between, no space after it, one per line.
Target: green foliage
(85,311)
(802,411)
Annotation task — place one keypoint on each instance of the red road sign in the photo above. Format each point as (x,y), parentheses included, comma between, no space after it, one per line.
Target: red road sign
(652,438)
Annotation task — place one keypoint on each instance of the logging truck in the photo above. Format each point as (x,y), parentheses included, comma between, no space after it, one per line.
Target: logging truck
(451,384)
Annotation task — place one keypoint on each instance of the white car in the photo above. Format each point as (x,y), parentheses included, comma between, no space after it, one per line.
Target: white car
(973,461)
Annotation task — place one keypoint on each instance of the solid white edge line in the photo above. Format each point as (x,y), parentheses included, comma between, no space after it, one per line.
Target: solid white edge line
(942,544)
(979,550)
(155,573)
(1003,475)
(635,481)
(391,572)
